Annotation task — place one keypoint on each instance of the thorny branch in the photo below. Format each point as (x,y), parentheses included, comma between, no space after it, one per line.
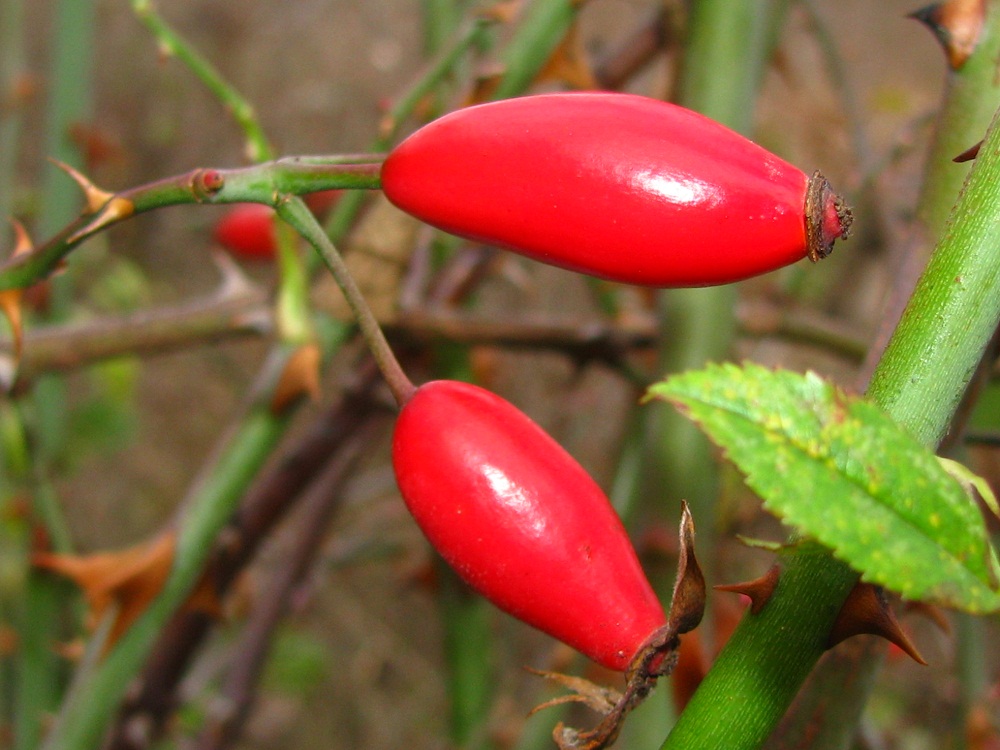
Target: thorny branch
(153,698)
(236,311)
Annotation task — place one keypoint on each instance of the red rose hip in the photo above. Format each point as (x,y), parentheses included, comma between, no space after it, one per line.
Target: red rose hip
(521,521)
(247,231)
(617,186)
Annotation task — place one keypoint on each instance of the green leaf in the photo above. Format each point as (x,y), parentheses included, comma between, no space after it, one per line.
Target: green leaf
(837,468)
(971,483)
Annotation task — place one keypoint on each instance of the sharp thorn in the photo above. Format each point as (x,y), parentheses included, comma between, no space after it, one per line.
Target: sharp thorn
(969,154)
(96,198)
(866,611)
(956,24)
(759,590)
(22,242)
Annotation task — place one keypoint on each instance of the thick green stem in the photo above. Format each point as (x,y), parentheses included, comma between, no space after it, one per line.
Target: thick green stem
(824,716)
(971,97)
(952,314)
(922,375)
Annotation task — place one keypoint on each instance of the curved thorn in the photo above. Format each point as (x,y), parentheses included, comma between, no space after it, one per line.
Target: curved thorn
(759,590)
(957,25)
(866,611)
(96,198)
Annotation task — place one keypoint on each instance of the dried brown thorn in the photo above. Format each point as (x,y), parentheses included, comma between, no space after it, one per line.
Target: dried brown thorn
(759,590)
(866,611)
(957,25)
(969,154)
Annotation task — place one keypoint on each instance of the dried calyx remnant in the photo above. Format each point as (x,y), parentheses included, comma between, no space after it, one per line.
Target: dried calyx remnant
(655,659)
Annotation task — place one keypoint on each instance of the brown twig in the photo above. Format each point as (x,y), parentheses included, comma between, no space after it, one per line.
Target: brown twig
(231,313)
(153,697)
(638,48)
(236,308)
(319,503)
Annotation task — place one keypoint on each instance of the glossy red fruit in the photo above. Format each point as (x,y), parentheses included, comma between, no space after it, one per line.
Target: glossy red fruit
(521,521)
(247,231)
(617,186)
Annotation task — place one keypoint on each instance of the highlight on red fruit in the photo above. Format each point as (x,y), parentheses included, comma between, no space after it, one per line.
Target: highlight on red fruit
(617,186)
(521,521)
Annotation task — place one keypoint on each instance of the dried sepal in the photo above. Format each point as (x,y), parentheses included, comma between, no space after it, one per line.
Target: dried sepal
(599,698)
(657,657)
(957,25)
(687,606)
(759,590)
(866,611)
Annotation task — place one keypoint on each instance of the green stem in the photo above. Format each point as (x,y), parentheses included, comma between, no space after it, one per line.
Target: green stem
(822,712)
(441,18)
(297,214)
(209,506)
(971,96)
(261,183)
(542,29)
(947,325)
(12,72)
(173,44)
(468,642)
(951,315)
(470,35)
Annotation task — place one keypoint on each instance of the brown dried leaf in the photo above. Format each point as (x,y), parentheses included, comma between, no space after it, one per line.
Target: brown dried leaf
(299,378)
(568,64)
(130,578)
(11,299)
(97,145)
(503,11)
